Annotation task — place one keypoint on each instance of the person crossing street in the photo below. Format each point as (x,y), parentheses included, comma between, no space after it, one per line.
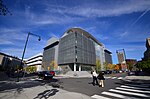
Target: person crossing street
(101,79)
(94,74)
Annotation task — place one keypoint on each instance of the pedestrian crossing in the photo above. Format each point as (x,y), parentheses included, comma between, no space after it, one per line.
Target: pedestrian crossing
(114,78)
(126,91)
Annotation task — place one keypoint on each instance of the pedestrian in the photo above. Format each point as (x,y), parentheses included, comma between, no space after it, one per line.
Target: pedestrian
(101,79)
(94,74)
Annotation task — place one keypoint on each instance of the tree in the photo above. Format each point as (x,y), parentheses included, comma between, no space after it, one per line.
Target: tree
(144,65)
(98,65)
(130,65)
(117,67)
(106,66)
(3,9)
(111,66)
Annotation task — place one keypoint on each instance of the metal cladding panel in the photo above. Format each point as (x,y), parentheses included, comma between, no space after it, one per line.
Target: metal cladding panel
(67,49)
(85,50)
(108,58)
(48,56)
(76,48)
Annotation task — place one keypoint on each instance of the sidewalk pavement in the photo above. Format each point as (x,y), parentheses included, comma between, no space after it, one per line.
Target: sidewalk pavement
(40,92)
(137,79)
(70,76)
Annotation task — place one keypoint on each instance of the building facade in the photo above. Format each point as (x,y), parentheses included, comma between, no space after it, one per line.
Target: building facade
(34,62)
(131,64)
(147,52)
(50,54)
(121,57)
(9,63)
(76,50)
(108,56)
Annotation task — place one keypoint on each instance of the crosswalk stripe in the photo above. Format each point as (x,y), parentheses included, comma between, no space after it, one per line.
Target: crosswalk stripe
(145,86)
(120,77)
(32,79)
(125,91)
(128,93)
(99,97)
(132,90)
(114,77)
(135,87)
(107,77)
(115,95)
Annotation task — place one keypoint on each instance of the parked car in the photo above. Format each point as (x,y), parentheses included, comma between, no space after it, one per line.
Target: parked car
(52,72)
(45,75)
(131,73)
(108,71)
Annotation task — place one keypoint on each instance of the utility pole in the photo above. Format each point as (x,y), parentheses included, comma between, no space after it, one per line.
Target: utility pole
(39,38)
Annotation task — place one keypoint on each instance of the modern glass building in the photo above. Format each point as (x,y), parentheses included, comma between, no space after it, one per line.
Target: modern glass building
(76,50)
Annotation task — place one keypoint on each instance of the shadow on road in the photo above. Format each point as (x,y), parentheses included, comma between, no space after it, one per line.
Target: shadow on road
(9,85)
(46,94)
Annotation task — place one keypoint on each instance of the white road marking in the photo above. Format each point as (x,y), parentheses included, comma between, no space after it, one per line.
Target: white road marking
(116,95)
(128,93)
(133,90)
(99,97)
(120,77)
(145,86)
(135,87)
(32,79)
(107,77)
(113,77)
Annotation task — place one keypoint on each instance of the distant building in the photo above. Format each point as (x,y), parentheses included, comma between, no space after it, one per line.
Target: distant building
(121,57)
(8,62)
(76,50)
(35,61)
(147,52)
(131,63)
(108,56)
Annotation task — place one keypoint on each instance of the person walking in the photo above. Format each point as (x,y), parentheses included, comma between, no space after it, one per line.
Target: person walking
(94,74)
(101,79)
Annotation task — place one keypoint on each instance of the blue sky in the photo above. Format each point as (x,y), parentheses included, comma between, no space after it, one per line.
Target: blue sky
(115,23)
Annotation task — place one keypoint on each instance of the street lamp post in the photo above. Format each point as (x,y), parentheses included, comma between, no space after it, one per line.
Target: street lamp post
(39,38)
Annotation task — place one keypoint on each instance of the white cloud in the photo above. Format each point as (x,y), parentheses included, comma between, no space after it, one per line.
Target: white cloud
(12,51)
(30,51)
(123,34)
(96,9)
(2,42)
(61,14)
(98,36)
(9,36)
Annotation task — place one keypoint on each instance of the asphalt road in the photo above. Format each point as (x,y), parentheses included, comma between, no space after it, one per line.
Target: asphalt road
(85,86)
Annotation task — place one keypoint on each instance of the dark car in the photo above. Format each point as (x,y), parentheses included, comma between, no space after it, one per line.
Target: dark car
(108,71)
(45,75)
(52,72)
(130,73)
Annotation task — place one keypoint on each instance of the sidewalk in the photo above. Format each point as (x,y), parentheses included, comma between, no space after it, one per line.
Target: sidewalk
(38,92)
(75,74)
(137,79)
